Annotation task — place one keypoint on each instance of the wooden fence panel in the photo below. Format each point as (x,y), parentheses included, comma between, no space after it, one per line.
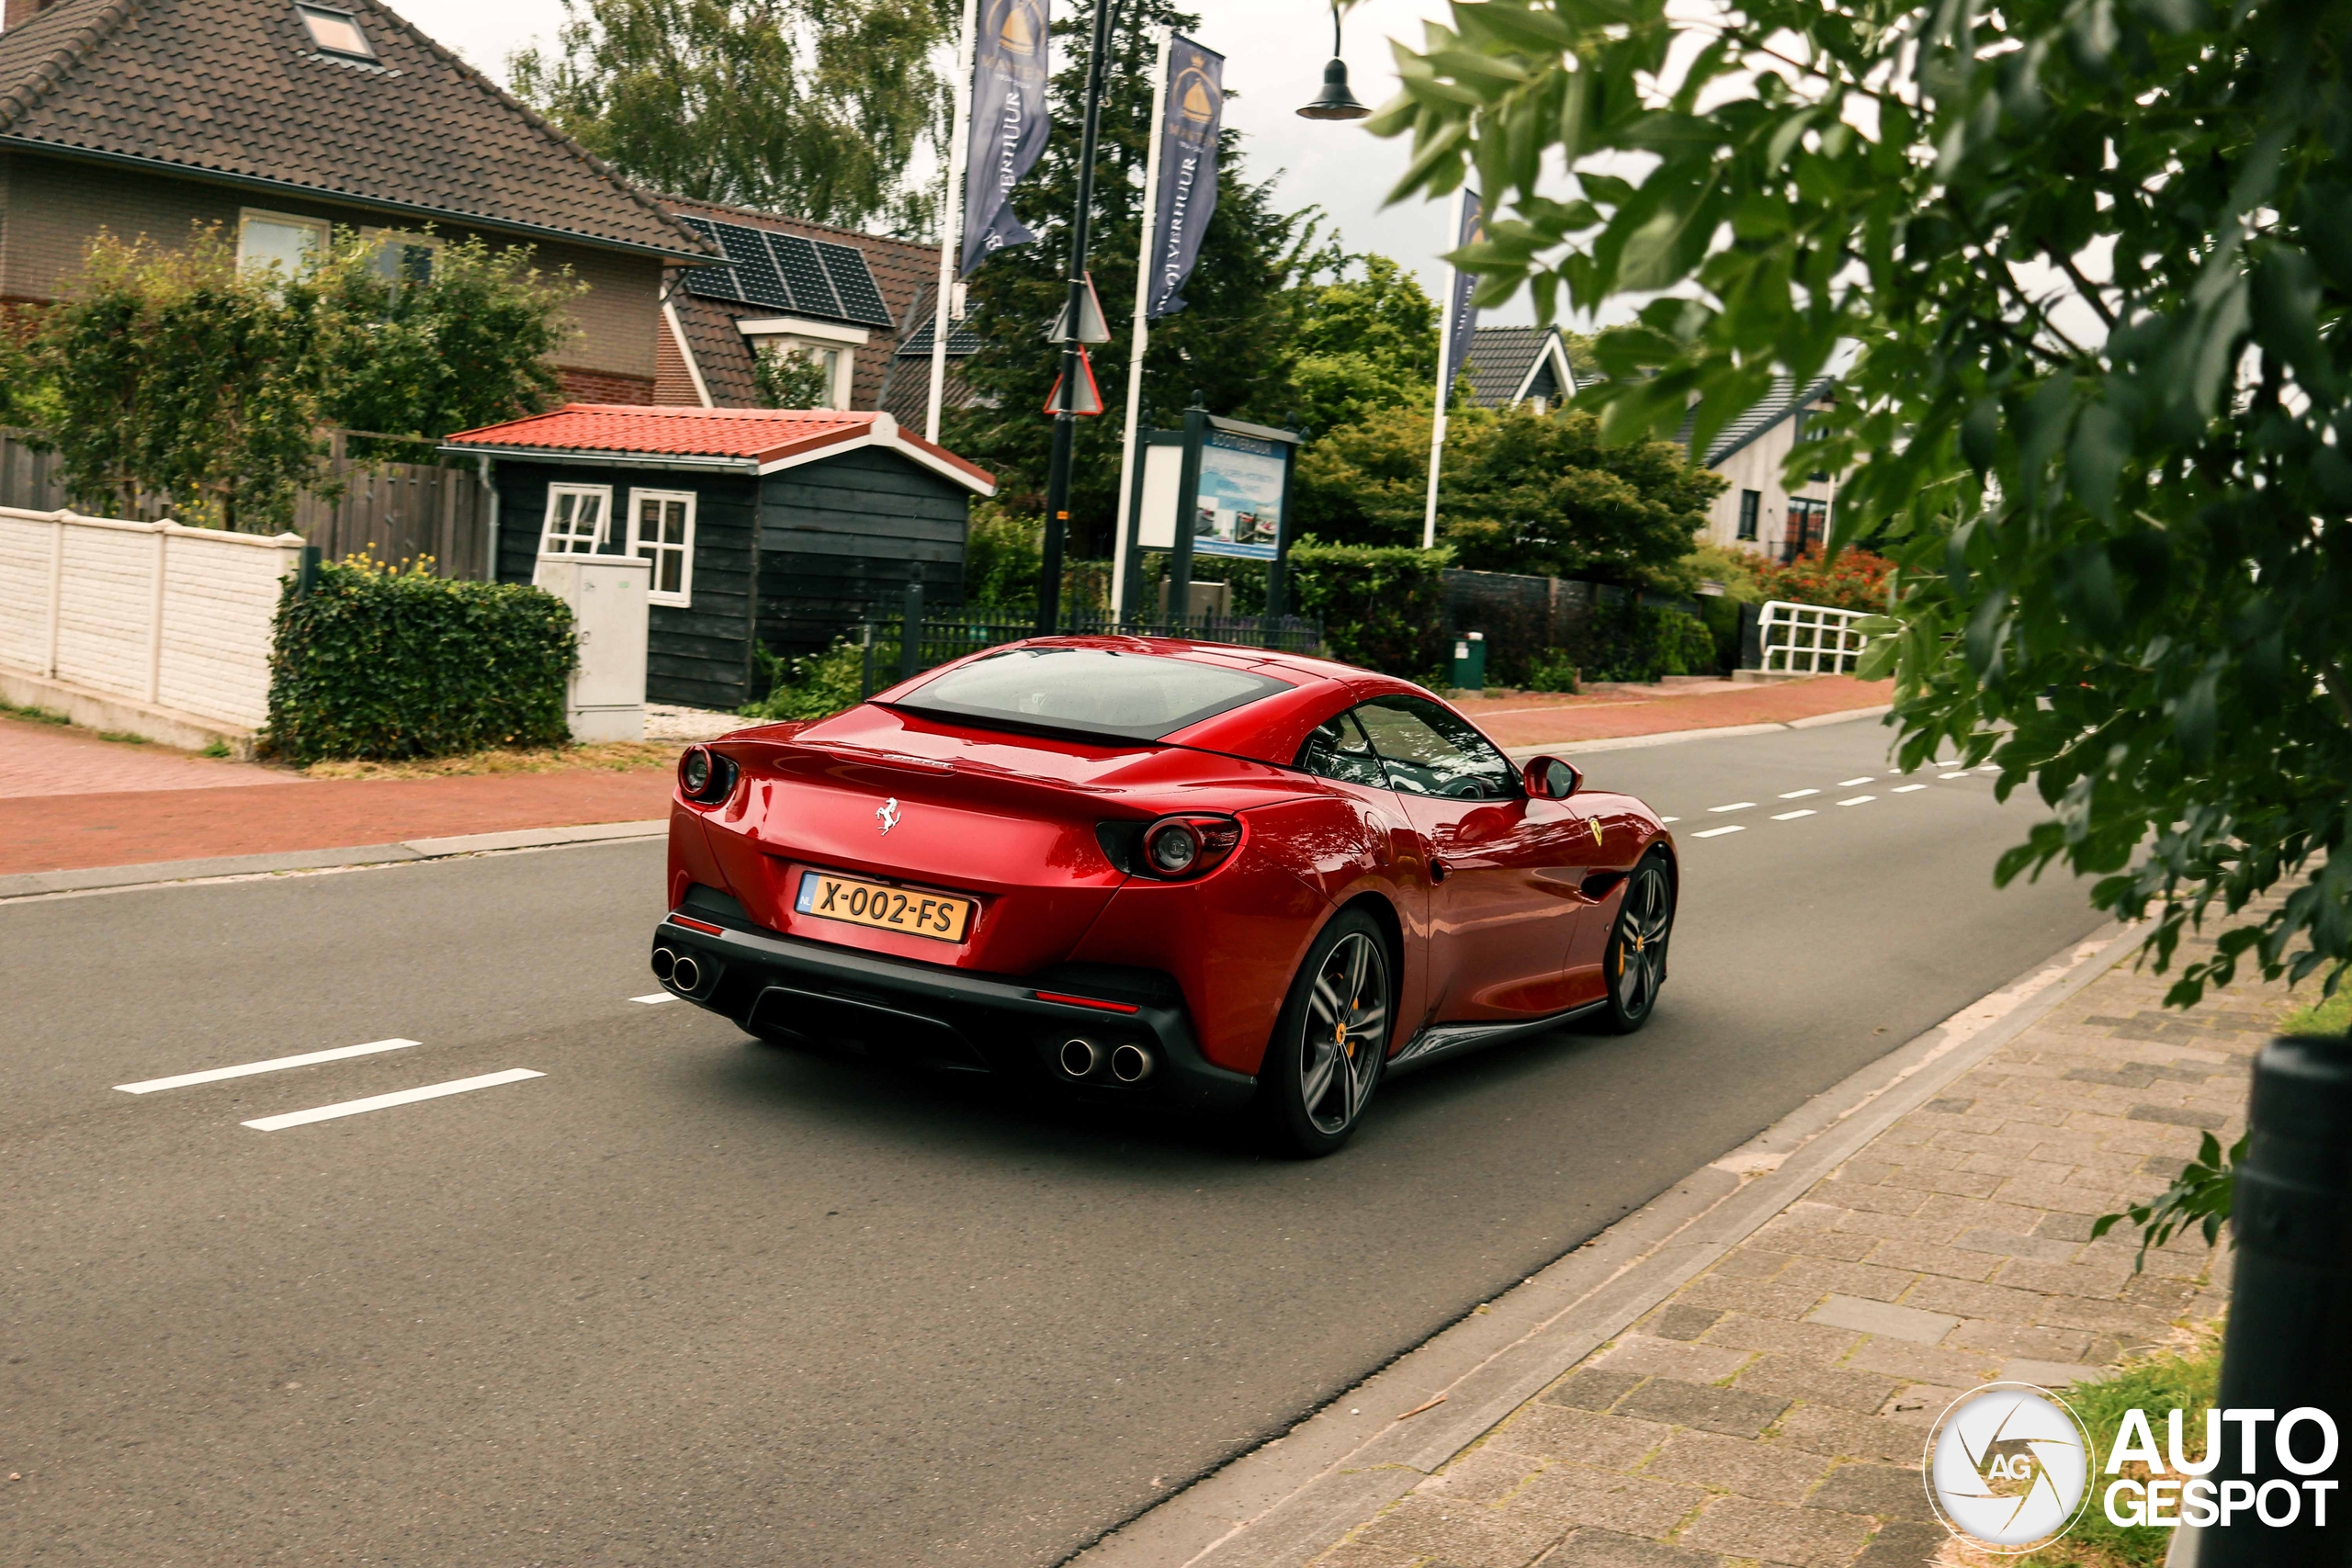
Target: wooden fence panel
(395,512)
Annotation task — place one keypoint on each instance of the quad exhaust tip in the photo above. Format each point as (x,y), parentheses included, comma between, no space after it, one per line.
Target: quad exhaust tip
(1131,1064)
(664,961)
(684,972)
(1079,1057)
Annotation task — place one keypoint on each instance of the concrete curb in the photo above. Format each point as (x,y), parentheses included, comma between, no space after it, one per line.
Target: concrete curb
(1285,1502)
(1675,737)
(160,873)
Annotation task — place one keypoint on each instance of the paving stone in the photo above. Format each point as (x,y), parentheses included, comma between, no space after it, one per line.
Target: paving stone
(1727,1410)
(2181,1116)
(1487,1473)
(1881,1317)
(1765,1301)
(1904,1544)
(1883,1491)
(1590,1388)
(1923,1363)
(1793,1377)
(1847,1279)
(2015,1339)
(1773,1532)
(1947,1107)
(1580,1437)
(2052,1375)
(1820,1429)
(1679,1322)
(1752,1263)
(1357,1554)
(1884,1199)
(2064,1227)
(1963,1298)
(1607,1549)
(1927,1257)
(1469,1534)
(2104,1278)
(1821,1341)
(1776,1471)
(1672,1357)
(2004,1243)
(1569,1495)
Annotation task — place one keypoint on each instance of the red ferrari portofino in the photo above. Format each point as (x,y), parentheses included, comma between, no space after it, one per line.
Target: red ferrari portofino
(1150,869)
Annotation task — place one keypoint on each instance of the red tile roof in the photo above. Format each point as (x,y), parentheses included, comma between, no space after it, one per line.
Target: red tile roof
(764,436)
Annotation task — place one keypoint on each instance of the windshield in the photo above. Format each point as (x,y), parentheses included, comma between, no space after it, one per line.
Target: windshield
(1137,696)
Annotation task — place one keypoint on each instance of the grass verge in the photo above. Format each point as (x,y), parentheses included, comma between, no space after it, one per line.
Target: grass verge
(610,756)
(2329,1020)
(2185,1376)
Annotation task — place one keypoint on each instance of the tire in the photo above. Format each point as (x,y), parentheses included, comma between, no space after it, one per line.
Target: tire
(1332,1042)
(1633,964)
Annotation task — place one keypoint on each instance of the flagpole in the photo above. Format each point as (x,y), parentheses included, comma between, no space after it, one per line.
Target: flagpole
(1141,340)
(1445,358)
(951,217)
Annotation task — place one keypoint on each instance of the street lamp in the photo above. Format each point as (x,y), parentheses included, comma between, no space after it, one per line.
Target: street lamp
(1075,313)
(1334,102)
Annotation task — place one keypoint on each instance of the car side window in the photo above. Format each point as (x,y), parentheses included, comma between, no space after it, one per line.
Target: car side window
(1338,750)
(1431,751)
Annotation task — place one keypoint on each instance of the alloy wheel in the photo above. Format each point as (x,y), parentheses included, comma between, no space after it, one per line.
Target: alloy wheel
(1346,1030)
(1639,961)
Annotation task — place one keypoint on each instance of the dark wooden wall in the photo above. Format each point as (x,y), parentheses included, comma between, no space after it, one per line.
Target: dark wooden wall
(841,538)
(699,656)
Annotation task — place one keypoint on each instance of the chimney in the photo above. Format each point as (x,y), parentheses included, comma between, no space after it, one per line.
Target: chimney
(22,11)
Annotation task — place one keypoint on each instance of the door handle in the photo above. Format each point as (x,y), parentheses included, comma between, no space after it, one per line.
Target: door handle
(1439,870)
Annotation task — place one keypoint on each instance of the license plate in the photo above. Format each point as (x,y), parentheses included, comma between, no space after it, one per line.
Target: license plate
(886,909)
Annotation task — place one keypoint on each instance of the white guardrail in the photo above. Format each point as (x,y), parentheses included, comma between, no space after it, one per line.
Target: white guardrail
(1811,639)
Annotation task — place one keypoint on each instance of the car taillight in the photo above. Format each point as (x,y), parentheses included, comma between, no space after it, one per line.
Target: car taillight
(1175,848)
(704,776)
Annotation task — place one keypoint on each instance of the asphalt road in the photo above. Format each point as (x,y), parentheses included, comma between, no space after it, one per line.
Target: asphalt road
(691,1298)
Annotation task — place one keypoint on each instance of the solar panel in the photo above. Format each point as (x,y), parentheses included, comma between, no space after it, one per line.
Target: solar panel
(797,258)
(861,301)
(709,282)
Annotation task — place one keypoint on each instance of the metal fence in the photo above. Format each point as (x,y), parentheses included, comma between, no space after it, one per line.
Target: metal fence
(1810,639)
(888,655)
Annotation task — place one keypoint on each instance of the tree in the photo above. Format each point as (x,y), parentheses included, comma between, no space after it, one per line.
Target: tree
(1522,492)
(1236,340)
(177,375)
(1364,345)
(808,107)
(2092,260)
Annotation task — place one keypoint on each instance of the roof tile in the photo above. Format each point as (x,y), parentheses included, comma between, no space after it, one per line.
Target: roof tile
(760,435)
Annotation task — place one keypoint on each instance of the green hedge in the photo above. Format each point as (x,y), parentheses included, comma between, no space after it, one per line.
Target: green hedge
(1383,606)
(380,664)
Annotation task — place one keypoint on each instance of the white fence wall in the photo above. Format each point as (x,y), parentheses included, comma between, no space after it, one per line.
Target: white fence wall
(178,617)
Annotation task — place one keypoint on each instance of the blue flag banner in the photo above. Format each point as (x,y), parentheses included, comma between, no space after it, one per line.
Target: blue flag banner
(1463,314)
(1009,124)
(1188,147)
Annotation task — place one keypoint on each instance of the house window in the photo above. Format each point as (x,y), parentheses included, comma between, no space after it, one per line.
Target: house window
(402,257)
(1752,501)
(836,362)
(663,531)
(334,31)
(294,245)
(576,515)
(1808,526)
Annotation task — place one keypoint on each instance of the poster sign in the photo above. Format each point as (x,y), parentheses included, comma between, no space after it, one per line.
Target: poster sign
(1239,510)
(1188,148)
(1009,124)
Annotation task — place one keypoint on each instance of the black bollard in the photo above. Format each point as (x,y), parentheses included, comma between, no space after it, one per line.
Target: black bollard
(2289,1346)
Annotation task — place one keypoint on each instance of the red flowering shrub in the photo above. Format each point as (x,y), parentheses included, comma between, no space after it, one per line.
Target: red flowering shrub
(1855,581)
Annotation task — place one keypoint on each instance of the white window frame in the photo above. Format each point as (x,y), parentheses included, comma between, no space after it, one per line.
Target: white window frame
(640,546)
(366,50)
(321,236)
(844,374)
(604,493)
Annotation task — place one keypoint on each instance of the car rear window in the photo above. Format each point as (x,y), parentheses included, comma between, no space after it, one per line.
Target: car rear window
(1095,691)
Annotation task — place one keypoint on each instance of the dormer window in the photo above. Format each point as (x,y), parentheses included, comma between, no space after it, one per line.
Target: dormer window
(336,33)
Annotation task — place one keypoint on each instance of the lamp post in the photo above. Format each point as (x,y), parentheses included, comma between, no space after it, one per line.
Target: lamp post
(1073,320)
(1334,102)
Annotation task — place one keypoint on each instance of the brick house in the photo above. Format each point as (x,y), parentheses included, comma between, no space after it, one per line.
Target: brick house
(275,119)
(1510,366)
(860,304)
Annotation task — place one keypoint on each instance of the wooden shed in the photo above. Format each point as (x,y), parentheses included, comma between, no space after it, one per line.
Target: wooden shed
(767,527)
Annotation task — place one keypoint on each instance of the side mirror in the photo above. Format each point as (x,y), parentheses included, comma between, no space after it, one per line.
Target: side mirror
(1548,778)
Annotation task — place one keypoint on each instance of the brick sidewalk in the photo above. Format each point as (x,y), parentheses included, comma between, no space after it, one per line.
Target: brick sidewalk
(1774,1408)
(1539,719)
(56,759)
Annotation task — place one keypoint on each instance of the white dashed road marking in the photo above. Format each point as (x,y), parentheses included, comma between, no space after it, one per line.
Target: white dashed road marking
(1799,794)
(385,1101)
(275,1064)
(1719,833)
(1947,778)
(1670,818)
(1849,783)
(1735,805)
(1905,789)
(1793,816)
(656,997)
(1857,799)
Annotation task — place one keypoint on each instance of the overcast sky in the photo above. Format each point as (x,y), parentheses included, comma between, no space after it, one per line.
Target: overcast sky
(1275,51)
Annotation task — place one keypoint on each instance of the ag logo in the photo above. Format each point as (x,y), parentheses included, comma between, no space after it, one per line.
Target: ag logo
(888,814)
(2007,1467)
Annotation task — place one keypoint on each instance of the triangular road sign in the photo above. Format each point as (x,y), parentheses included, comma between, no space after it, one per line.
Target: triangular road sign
(1091,325)
(1089,395)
